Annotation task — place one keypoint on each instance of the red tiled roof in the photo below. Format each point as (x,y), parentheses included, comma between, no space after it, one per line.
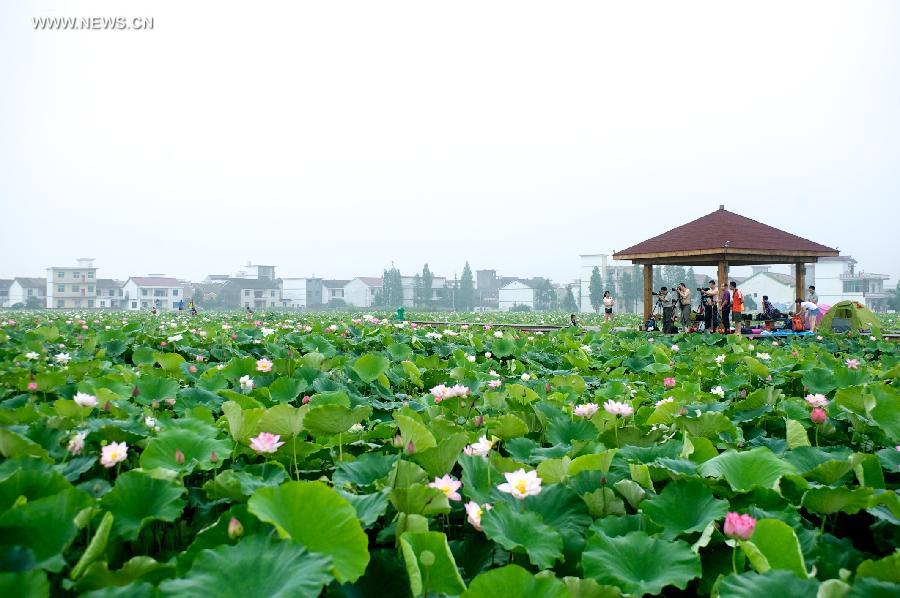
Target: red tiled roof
(714,230)
(155,281)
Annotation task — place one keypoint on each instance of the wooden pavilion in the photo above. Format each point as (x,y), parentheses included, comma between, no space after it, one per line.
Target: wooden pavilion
(723,239)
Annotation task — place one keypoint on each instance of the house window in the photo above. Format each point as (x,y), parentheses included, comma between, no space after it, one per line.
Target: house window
(90,274)
(76,274)
(272,304)
(90,288)
(90,303)
(271,293)
(60,303)
(134,305)
(61,273)
(74,288)
(159,292)
(257,294)
(144,292)
(144,304)
(246,304)
(247,294)
(112,292)
(102,304)
(61,288)
(174,292)
(30,292)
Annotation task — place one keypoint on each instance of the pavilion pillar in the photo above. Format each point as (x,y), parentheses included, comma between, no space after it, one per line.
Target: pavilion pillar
(648,291)
(799,281)
(722,278)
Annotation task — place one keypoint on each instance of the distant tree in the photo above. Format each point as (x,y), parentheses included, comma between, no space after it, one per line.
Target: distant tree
(418,294)
(427,284)
(895,301)
(568,303)
(543,293)
(749,304)
(34,303)
(691,278)
(336,302)
(595,289)
(626,293)
(521,307)
(465,295)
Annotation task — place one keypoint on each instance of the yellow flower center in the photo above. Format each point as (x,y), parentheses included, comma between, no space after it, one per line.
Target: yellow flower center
(521,486)
(113,455)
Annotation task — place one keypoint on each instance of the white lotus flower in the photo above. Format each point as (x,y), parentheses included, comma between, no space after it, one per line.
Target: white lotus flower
(356,428)
(471,358)
(525,377)
(474,513)
(498,334)
(618,408)
(587,410)
(479,449)
(718,390)
(521,484)
(246,383)
(720,359)
(675,348)
(763,356)
(76,443)
(662,402)
(62,358)
(586,348)
(85,400)
(495,383)
(112,453)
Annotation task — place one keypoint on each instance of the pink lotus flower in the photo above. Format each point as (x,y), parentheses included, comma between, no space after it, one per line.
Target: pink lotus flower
(112,453)
(818,415)
(266,443)
(263,365)
(192,369)
(235,528)
(85,400)
(853,364)
(816,400)
(739,526)
(32,386)
(448,486)
(306,399)
(76,443)
(618,408)
(587,410)
(669,382)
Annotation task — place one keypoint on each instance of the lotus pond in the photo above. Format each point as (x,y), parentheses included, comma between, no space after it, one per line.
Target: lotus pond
(347,455)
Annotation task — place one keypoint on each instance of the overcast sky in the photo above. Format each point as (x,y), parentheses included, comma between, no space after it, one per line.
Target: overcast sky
(332,138)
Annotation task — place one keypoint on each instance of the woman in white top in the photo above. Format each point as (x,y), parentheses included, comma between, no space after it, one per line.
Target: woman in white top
(810,311)
(607,307)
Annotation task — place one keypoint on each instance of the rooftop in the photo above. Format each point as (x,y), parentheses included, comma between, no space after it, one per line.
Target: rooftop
(372,281)
(26,282)
(724,233)
(155,281)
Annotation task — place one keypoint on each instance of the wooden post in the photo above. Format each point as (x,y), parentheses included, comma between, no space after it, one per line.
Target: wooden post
(722,279)
(648,290)
(800,276)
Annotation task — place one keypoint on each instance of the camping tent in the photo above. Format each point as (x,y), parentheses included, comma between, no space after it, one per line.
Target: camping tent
(849,315)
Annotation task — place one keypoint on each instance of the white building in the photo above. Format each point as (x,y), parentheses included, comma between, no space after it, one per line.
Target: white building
(4,292)
(145,292)
(438,286)
(333,290)
(72,286)
(22,290)
(256,272)
(779,288)
(362,290)
(301,293)
(838,279)
(514,294)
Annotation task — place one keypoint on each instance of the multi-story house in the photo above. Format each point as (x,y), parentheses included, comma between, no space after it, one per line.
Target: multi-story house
(255,293)
(4,292)
(110,294)
(301,293)
(838,279)
(333,289)
(28,292)
(517,293)
(362,291)
(146,292)
(72,287)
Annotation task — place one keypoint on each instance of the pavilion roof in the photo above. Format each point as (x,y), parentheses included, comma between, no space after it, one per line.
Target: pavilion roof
(724,234)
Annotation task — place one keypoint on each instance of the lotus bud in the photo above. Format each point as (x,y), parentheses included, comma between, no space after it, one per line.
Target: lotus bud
(106,406)
(179,457)
(135,392)
(32,386)
(163,343)
(479,421)
(410,448)
(213,457)
(818,415)
(306,399)
(170,401)
(547,387)
(235,529)
(398,441)
(192,369)
(154,404)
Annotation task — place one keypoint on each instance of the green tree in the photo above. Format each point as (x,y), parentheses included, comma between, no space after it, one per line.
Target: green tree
(392,288)
(626,293)
(418,291)
(465,295)
(543,293)
(568,303)
(895,301)
(427,284)
(691,278)
(595,289)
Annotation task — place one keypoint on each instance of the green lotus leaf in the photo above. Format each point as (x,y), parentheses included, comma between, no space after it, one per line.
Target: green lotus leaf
(588,588)
(196,442)
(886,569)
(744,471)
(370,366)
(819,380)
(46,526)
(777,542)
(430,564)
(284,390)
(369,507)
(25,584)
(513,581)
(523,532)
(503,347)
(886,411)
(156,388)
(283,420)
(96,549)
(771,583)
(440,459)
(640,564)
(367,469)
(328,420)
(169,362)
(838,500)
(419,499)
(217,534)
(415,432)
(508,426)
(13,445)
(140,568)
(256,566)
(30,478)
(242,423)
(684,507)
(137,499)
(317,517)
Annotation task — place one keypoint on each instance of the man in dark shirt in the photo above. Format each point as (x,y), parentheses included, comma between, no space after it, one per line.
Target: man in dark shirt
(725,302)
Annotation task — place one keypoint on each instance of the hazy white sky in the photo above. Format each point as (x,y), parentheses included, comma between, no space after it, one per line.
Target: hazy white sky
(334,137)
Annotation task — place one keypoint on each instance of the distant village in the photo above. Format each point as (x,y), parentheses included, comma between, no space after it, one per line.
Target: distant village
(257,287)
